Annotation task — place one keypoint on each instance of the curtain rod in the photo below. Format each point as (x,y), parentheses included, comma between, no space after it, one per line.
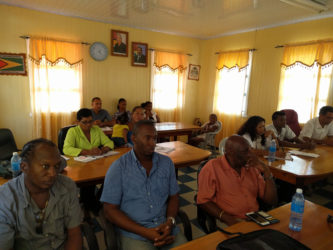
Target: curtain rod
(152,49)
(84,43)
(303,43)
(219,52)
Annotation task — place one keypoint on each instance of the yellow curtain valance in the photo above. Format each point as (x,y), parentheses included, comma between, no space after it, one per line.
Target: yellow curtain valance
(232,59)
(55,50)
(172,60)
(321,52)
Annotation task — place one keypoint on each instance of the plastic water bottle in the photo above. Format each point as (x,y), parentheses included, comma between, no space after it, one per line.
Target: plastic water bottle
(297,210)
(15,163)
(271,152)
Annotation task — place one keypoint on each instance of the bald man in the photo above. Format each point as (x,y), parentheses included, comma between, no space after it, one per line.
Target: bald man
(228,186)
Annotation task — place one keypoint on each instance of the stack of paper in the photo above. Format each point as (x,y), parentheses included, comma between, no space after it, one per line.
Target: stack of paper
(165,150)
(88,158)
(296,152)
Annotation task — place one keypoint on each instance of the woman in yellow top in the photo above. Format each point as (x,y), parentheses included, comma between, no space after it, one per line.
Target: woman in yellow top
(86,138)
(120,130)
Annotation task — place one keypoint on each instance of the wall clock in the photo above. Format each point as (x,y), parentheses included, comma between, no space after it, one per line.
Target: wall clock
(98,51)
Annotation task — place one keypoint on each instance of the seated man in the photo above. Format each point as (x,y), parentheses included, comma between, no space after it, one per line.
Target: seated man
(320,129)
(100,116)
(86,139)
(39,209)
(141,194)
(228,186)
(211,126)
(285,136)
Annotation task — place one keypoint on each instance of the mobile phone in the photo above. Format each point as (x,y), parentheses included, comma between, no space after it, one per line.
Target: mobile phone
(258,219)
(268,217)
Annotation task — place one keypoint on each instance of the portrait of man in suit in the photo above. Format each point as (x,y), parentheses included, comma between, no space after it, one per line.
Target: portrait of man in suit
(139,54)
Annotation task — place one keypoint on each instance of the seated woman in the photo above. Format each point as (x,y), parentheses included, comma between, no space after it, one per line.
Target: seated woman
(138,114)
(211,126)
(120,130)
(121,107)
(150,114)
(86,138)
(253,130)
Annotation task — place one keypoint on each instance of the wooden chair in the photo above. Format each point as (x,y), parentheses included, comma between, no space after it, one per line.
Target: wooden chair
(7,144)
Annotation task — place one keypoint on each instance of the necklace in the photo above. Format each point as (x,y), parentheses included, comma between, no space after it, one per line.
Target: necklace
(40,219)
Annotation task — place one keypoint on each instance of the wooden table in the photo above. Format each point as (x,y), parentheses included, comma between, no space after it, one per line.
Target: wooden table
(316,232)
(305,170)
(174,129)
(93,172)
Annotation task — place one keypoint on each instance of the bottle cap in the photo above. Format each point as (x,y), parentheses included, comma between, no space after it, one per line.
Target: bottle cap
(299,191)
(14,153)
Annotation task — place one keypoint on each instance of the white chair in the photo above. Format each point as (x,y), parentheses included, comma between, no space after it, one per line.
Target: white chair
(210,137)
(222,145)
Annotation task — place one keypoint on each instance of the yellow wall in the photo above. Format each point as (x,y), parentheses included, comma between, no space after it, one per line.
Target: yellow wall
(115,77)
(110,79)
(265,76)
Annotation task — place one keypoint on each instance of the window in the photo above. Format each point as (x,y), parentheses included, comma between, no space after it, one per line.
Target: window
(306,80)
(231,89)
(168,84)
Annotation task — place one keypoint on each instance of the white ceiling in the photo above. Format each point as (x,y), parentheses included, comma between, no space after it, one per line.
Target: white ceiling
(202,19)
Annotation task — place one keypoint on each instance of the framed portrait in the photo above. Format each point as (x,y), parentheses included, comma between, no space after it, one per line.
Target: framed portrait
(12,64)
(194,72)
(139,54)
(119,43)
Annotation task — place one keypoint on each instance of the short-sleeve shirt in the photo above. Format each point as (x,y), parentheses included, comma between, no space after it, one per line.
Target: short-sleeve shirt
(118,130)
(286,132)
(142,198)
(18,212)
(256,144)
(314,130)
(233,193)
(102,115)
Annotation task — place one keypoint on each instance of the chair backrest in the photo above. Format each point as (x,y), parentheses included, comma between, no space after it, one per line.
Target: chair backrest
(292,120)
(62,136)
(7,144)
(210,137)
(222,145)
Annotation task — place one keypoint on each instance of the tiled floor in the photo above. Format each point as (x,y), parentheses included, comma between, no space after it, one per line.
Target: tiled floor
(187,180)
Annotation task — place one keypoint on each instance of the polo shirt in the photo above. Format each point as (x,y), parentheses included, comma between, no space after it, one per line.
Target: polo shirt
(142,198)
(314,130)
(286,132)
(102,115)
(76,141)
(18,211)
(233,193)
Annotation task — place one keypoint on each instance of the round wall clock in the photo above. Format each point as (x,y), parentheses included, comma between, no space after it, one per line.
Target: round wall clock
(98,51)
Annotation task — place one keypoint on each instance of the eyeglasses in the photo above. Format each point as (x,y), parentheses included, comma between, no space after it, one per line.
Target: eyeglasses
(40,219)
(87,122)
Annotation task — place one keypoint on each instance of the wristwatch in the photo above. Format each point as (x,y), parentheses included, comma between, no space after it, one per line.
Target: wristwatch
(173,221)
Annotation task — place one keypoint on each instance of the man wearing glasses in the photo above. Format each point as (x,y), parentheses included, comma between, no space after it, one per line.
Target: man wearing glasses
(86,138)
(39,209)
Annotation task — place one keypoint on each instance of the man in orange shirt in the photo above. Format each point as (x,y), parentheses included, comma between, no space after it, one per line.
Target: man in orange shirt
(228,186)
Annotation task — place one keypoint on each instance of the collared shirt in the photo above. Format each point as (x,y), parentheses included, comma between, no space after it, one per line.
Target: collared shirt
(256,144)
(102,115)
(76,141)
(286,132)
(233,193)
(142,198)
(314,130)
(18,215)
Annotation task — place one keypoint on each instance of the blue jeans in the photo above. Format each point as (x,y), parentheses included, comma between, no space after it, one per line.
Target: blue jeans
(130,244)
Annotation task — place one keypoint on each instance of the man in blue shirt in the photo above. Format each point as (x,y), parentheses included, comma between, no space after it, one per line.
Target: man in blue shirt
(100,116)
(141,194)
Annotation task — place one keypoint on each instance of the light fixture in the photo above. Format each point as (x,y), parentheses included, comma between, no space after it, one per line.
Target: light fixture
(313,5)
